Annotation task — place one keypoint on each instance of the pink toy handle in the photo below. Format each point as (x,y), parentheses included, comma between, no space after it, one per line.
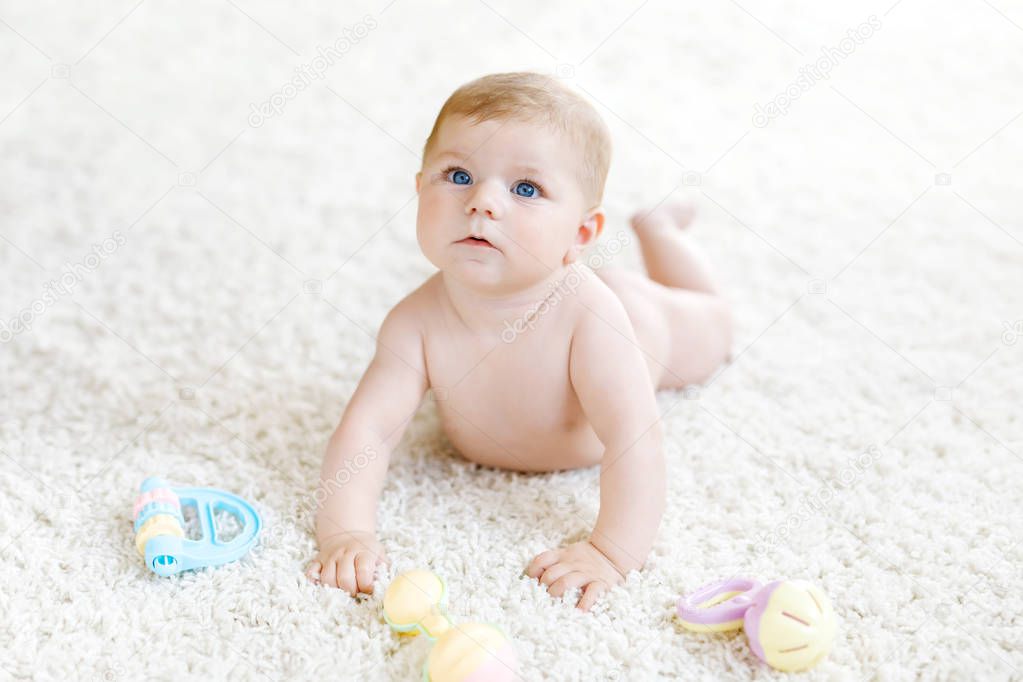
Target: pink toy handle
(730,609)
(155,495)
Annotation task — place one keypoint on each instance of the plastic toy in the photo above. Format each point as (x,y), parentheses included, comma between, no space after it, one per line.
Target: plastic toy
(790,624)
(160,527)
(471,652)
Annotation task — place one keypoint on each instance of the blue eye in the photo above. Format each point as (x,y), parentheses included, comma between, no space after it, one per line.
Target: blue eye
(460,177)
(525,189)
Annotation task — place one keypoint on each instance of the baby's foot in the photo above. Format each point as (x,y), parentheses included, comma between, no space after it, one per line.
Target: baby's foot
(673,215)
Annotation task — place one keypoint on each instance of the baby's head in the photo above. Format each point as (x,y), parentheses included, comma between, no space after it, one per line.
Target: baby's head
(520,160)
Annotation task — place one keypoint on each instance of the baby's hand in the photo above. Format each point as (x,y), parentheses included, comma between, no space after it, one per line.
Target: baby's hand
(579,565)
(348,561)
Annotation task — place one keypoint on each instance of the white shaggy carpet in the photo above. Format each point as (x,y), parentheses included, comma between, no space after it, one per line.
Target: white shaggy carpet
(867,436)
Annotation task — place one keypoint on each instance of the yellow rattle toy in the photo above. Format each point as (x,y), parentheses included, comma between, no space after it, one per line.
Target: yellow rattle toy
(790,624)
(472,652)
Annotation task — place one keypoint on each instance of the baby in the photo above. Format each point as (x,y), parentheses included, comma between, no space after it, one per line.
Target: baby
(510,195)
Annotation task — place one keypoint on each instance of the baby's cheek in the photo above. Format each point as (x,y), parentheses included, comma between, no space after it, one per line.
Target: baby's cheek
(426,235)
(426,215)
(429,220)
(549,249)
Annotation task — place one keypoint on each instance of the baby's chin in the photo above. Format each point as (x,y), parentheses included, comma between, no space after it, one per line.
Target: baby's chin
(487,277)
(481,275)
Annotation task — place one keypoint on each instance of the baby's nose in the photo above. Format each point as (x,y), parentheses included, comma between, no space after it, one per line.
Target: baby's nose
(487,211)
(484,201)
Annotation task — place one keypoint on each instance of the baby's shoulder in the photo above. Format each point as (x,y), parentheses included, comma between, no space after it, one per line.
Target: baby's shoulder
(409,315)
(592,296)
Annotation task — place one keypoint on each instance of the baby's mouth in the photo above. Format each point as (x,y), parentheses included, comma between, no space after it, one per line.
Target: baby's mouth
(476,242)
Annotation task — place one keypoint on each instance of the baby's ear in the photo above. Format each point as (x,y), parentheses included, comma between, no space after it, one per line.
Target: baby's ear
(595,221)
(585,234)
(419,177)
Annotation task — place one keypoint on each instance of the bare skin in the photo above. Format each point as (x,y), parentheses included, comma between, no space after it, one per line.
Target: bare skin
(536,362)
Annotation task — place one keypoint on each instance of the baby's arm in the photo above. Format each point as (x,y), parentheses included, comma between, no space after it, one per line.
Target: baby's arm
(355,463)
(612,381)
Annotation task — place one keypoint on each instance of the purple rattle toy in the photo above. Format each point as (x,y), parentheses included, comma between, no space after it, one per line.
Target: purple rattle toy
(790,624)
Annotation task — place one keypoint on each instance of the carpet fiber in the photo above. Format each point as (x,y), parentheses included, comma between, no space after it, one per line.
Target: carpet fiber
(208,210)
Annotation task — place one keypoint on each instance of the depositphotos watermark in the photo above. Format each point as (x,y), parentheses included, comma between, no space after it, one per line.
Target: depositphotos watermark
(814,72)
(816,502)
(62,286)
(306,74)
(568,285)
(342,476)
(1012,332)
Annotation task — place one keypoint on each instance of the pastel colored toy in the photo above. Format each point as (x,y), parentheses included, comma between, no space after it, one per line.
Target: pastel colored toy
(160,527)
(471,652)
(415,604)
(790,624)
(719,606)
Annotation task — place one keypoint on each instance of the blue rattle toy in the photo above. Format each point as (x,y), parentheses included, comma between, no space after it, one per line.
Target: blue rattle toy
(160,527)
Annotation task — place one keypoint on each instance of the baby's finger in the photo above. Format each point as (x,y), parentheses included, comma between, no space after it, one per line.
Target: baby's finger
(566,582)
(365,567)
(540,563)
(328,576)
(591,594)
(553,573)
(346,573)
(313,572)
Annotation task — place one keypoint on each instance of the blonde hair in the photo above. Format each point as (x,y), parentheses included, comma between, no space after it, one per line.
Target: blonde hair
(533,97)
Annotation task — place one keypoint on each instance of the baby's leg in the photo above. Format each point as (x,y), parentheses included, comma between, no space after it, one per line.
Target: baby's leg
(670,256)
(681,321)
